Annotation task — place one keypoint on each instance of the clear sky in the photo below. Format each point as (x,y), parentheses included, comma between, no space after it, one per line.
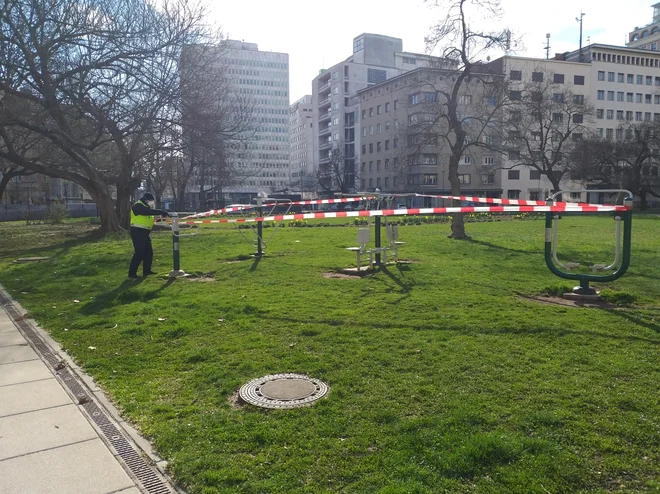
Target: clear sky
(317,35)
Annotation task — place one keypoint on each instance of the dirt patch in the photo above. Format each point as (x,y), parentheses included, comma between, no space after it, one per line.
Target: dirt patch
(564,302)
(201,279)
(235,401)
(343,276)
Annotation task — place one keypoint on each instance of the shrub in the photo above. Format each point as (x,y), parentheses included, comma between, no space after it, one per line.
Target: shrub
(55,213)
(618,298)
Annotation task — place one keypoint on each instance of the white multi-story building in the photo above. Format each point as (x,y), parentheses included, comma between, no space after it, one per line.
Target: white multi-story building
(647,37)
(302,177)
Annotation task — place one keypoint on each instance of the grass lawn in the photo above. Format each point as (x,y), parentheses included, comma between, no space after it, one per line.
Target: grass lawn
(444,375)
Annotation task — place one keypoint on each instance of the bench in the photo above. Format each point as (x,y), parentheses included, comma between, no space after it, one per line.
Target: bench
(363,238)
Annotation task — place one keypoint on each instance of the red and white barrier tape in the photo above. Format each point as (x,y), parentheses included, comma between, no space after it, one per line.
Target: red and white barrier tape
(562,208)
(215,212)
(511,202)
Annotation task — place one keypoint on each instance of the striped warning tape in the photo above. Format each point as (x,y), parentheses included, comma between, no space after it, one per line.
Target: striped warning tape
(510,202)
(244,207)
(556,208)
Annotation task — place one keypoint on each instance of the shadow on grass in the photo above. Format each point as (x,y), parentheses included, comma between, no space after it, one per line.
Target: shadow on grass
(255,263)
(53,250)
(122,295)
(500,247)
(636,319)
(406,287)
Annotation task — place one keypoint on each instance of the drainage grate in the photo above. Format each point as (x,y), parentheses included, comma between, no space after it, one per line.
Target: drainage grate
(283,391)
(141,470)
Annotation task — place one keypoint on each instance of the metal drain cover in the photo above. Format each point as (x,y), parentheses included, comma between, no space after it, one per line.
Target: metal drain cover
(283,391)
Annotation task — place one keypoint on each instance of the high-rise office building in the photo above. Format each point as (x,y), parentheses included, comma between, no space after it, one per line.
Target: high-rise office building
(303,180)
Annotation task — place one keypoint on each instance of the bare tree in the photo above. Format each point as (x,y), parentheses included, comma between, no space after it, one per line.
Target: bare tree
(459,125)
(630,161)
(546,120)
(338,174)
(92,79)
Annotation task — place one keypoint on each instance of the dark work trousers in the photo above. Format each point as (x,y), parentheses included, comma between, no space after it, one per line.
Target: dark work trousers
(143,252)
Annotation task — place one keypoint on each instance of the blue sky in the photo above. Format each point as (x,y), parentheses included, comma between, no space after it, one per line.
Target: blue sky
(320,36)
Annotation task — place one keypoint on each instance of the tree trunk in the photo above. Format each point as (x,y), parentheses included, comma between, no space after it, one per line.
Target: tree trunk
(103,200)
(643,203)
(5,181)
(457,221)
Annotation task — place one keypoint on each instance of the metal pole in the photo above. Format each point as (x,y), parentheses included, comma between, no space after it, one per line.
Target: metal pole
(260,226)
(378,240)
(175,247)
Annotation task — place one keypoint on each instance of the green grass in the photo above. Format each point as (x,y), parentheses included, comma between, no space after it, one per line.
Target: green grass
(445,376)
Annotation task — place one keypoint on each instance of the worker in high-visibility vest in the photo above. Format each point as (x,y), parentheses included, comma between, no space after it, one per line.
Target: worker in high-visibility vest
(142,220)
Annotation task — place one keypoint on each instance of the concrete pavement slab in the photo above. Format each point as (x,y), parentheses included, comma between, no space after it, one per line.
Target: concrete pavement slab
(132,490)
(83,468)
(43,429)
(17,353)
(27,397)
(6,324)
(11,338)
(22,372)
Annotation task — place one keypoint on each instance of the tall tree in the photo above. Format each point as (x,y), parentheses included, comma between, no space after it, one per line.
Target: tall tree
(337,175)
(631,161)
(546,121)
(92,78)
(466,48)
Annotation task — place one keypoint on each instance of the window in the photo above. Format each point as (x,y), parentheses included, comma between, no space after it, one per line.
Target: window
(557,117)
(629,97)
(409,60)
(396,104)
(620,77)
(578,80)
(558,79)
(465,99)
(600,113)
(364,114)
(578,118)
(514,174)
(378,128)
(534,195)
(619,95)
(376,76)
(371,112)
(413,99)
(657,81)
(647,99)
(378,147)
(364,166)
(557,97)
(377,165)
(395,143)
(465,160)
(489,160)
(358,44)
(514,155)
(513,194)
(534,174)
(610,76)
(638,116)
(371,166)
(364,149)
(387,144)
(387,165)
(601,75)
(378,110)
(610,114)
(649,80)
(387,107)
(599,132)
(537,96)
(600,95)
(515,116)
(610,96)
(429,159)
(578,99)
(515,95)
(630,79)
(609,133)
(619,134)
(488,178)
(638,98)
(647,116)
(465,178)
(577,136)
(378,182)
(371,147)
(537,76)
(629,116)
(515,75)
(387,125)
(619,114)
(640,79)
(430,179)
(536,136)
(371,130)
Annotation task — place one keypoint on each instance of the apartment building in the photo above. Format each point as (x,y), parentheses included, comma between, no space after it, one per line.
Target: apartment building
(302,178)
(647,37)
(375,59)
(261,80)
(400,153)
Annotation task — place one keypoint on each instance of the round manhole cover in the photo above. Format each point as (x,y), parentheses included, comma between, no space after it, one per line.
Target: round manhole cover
(283,391)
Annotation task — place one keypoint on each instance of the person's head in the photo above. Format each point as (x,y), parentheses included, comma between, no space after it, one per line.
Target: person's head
(149,198)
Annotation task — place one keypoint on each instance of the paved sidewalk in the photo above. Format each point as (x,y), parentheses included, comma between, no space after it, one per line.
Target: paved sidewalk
(47,445)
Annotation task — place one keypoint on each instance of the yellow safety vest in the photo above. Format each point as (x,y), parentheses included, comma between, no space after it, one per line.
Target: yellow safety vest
(141,221)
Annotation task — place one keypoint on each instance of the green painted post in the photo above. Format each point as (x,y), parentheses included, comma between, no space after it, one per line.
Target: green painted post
(260,226)
(377,238)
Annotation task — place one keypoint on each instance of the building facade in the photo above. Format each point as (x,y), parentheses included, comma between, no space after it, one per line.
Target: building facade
(302,178)
(375,59)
